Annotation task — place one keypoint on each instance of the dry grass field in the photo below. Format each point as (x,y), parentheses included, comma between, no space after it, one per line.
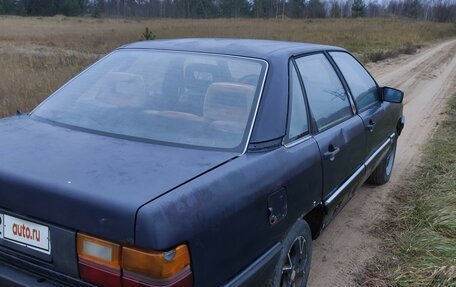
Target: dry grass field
(38,54)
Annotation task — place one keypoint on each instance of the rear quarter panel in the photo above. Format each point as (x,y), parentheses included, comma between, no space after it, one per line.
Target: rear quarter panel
(223,214)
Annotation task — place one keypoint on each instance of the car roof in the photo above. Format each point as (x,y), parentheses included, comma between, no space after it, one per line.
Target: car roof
(264,49)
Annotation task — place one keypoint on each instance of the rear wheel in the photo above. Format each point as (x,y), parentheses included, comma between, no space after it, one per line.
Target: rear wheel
(382,173)
(293,267)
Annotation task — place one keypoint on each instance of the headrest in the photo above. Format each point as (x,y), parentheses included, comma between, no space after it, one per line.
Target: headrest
(199,76)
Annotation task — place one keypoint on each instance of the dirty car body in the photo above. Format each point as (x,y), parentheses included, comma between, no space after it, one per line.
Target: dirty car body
(216,147)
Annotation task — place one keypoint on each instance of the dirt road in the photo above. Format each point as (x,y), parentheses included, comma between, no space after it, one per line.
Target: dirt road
(427,78)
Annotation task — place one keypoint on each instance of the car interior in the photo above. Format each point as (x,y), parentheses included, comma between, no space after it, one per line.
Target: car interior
(192,100)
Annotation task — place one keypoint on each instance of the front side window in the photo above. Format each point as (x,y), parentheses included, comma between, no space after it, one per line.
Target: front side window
(361,84)
(326,95)
(177,98)
(297,120)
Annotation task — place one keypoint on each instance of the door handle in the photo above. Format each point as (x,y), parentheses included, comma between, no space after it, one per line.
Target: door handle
(371,125)
(331,153)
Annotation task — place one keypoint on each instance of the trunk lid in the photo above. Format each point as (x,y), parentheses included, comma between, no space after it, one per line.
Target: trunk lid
(86,181)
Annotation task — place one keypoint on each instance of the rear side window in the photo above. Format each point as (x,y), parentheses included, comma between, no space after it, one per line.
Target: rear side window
(327,98)
(297,120)
(361,84)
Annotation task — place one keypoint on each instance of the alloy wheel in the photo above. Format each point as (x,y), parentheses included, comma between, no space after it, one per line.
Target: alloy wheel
(293,270)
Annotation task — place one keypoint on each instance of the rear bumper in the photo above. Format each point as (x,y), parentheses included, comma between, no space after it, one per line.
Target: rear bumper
(16,271)
(12,276)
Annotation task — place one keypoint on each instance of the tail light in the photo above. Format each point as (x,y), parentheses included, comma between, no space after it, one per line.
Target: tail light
(108,264)
(99,261)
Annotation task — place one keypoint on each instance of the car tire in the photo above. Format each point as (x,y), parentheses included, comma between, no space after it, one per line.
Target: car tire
(293,266)
(382,173)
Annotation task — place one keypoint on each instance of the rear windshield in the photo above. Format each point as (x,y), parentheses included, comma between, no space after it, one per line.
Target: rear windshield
(179,98)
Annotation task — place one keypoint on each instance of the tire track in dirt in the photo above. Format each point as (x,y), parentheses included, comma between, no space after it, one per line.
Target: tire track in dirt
(428,78)
(422,68)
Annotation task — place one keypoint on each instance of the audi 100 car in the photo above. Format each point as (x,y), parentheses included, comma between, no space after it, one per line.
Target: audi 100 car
(193,162)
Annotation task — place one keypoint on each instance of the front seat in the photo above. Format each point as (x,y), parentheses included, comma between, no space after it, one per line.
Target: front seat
(197,78)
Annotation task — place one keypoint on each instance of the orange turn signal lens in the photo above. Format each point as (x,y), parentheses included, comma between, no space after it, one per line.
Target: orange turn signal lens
(155,264)
(98,250)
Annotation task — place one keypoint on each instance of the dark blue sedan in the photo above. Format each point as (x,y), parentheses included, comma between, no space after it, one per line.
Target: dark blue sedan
(194,162)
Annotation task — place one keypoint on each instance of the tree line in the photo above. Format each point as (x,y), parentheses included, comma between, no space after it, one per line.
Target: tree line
(432,10)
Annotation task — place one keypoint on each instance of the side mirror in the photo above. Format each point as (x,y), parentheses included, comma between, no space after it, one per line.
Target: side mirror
(392,95)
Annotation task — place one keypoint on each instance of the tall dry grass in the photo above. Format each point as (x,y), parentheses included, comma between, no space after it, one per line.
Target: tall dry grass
(27,77)
(419,234)
(37,55)
(102,35)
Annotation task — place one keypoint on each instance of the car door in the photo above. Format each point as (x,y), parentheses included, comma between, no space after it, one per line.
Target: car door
(371,109)
(338,131)
(304,163)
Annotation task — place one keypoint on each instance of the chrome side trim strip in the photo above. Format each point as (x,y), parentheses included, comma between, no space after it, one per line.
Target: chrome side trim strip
(380,149)
(297,141)
(360,169)
(392,137)
(346,183)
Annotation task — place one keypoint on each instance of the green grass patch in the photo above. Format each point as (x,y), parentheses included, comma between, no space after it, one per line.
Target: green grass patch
(420,234)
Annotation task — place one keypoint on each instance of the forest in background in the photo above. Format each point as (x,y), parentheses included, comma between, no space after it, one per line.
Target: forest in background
(430,10)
